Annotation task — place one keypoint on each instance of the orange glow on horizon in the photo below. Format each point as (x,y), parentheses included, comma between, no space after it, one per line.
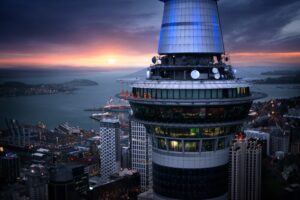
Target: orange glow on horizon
(265,58)
(120,59)
(110,60)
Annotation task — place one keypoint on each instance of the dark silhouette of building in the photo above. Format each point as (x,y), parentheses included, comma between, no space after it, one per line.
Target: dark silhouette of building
(68,182)
(21,135)
(37,182)
(122,186)
(10,167)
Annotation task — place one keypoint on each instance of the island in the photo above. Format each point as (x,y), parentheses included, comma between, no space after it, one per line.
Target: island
(14,88)
(281,73)
(281,77)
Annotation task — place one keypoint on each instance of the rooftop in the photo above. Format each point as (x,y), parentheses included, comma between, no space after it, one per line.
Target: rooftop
(10,155)
(200,84)
(110,120)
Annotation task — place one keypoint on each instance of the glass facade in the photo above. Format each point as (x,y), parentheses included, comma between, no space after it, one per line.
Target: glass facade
(188,145)
(193,132)
(190,183)
(190,93)
(190,114)
(190,27)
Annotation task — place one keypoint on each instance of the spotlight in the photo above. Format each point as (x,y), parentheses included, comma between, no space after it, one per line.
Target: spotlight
(195,74)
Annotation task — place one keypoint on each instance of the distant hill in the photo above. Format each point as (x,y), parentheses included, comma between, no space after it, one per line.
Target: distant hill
(282,72)
(13,88)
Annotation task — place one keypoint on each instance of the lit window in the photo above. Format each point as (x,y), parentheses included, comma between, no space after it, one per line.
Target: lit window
(191,146)
(175,145)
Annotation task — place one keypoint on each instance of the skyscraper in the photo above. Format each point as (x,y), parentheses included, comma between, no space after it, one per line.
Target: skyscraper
(10,167)
(37,182)
(245,169)
(191,103)
(141,153)
(21,135)
(237,170)
(68,182)
(110,147)
(253,174)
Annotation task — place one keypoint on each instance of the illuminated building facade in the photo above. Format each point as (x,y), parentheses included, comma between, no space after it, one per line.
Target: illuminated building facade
(191,104)
(141,153)
(110,147)
(245,169)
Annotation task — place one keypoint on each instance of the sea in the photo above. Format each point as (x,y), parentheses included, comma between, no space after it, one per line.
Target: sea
(59,108)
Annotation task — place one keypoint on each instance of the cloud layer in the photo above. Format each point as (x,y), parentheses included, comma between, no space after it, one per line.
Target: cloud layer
(93,27)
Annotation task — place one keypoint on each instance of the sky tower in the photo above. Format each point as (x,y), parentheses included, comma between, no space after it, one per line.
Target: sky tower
(191,103)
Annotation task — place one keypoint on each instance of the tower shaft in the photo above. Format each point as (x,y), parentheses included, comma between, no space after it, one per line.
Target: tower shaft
(190,27)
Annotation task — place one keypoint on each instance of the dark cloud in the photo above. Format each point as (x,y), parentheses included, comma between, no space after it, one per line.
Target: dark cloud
(251,25)
(77,25)
(32,25)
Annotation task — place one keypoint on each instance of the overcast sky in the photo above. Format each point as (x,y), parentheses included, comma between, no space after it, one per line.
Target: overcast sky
(40,28)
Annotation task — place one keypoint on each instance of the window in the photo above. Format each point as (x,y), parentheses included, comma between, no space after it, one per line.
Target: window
(226,93)
(214,94)
(153,93)
(175,145)
(189,94)
(207,94)
(182,94)
(176,94)
(230,95)
(221,144)
(238,90)
(220,94)
(170,94)
(164,94)
(201,94)
(194,132)
(195,94)
(158,94)
(191,146)
(234,94)
(162,143)
(207,145)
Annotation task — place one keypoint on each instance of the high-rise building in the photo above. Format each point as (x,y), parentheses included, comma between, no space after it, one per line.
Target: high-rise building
(141,153)
(253,174)
(125,158)
(10,167)
(262,137)
(191,103)
(245,169)
(37,182)
(280,141)
(110,147)
(68,182)
(21,135)
(122,185)
(293,118)
(237,170)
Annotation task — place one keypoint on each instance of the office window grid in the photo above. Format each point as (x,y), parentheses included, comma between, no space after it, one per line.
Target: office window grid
(141,154)
(110,161)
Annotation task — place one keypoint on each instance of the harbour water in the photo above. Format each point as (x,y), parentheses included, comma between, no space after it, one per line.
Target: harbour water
(59,108)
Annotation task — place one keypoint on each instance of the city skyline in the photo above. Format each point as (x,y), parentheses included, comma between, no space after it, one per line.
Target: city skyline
(149,100)
(119,33)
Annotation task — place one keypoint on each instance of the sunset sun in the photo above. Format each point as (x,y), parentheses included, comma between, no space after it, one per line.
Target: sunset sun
(111,61)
